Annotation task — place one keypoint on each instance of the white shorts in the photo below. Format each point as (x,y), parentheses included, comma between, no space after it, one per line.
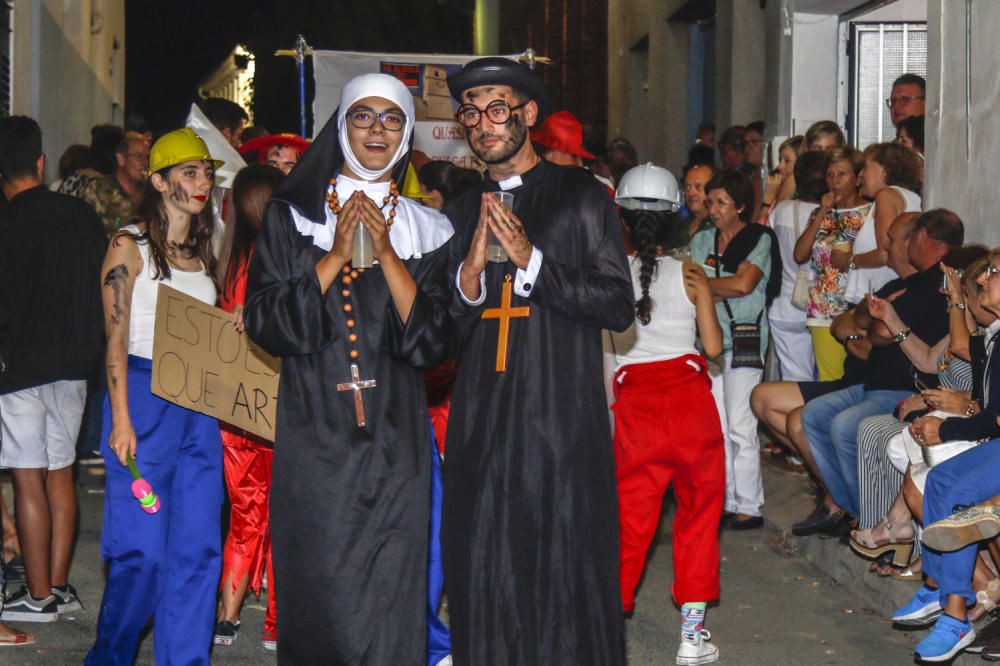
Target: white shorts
(39,425)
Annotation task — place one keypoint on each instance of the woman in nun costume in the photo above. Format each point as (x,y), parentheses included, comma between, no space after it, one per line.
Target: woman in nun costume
(351,477)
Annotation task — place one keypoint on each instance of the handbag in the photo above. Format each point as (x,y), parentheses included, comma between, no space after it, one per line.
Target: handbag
(745,335)
(746,341)
(803,279)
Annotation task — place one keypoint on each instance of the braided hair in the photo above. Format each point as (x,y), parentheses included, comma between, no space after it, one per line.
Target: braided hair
(651,232)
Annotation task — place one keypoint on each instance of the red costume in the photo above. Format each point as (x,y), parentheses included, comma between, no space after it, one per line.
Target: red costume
(667,430)
(246,462)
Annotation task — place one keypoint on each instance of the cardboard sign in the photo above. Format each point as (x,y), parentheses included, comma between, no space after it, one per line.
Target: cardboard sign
(202,363)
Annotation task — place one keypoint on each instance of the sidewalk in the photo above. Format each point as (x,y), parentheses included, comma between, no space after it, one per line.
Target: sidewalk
(789,500)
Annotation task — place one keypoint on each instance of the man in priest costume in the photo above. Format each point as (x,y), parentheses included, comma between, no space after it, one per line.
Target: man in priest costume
(351,480)
(530,531)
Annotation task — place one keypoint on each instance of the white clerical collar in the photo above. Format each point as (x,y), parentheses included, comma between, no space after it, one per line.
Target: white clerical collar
(510,183)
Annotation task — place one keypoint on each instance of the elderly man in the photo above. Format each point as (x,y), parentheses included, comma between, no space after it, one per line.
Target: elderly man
(831,421)
(530,514)
(907,97)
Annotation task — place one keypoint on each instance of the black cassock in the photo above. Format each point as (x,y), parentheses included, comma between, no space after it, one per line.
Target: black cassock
(349,505)
(530,530)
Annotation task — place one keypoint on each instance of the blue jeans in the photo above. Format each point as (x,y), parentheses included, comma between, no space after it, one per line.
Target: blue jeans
(831,423)
(968,478)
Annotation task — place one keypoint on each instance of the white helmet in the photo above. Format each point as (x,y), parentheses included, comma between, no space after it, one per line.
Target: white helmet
(648,187)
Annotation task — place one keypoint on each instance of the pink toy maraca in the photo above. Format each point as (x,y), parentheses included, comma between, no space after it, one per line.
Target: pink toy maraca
(141,489)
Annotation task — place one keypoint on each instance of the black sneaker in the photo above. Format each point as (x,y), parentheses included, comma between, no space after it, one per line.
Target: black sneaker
(226,632)
(66,598)
(22,607)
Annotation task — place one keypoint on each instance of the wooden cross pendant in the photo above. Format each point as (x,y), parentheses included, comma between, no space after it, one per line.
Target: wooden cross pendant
(357,385)
(504,314)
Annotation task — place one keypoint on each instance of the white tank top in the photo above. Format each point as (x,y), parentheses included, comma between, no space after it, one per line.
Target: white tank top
(672,329)
(859,280)
(195,284)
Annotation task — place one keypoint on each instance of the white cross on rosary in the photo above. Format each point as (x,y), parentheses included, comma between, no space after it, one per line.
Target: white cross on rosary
(357,385)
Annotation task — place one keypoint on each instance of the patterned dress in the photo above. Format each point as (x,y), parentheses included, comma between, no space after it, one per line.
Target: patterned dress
(826,297)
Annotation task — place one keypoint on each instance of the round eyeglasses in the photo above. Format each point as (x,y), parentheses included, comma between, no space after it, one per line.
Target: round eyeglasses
(392,121)
(498,111)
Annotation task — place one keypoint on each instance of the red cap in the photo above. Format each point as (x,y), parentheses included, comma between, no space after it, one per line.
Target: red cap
(262,144)
(563,132)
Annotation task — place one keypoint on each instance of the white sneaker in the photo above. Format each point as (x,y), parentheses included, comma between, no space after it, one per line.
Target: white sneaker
(446,661)
(698,651)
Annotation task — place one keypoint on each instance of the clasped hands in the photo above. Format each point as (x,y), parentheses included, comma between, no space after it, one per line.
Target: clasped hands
(360,209)
(495,217)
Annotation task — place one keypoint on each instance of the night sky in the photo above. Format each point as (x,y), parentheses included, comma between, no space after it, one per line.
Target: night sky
(171,47)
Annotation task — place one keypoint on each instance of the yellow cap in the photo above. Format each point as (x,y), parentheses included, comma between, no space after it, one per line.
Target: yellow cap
(177,147)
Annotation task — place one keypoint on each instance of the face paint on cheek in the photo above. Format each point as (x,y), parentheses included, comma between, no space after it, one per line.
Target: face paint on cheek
(178,195)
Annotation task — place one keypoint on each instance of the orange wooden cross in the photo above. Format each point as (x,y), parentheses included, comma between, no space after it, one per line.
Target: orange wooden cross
(356,385)
(504,314)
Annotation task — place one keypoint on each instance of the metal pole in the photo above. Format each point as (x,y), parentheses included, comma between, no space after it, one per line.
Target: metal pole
(300,59)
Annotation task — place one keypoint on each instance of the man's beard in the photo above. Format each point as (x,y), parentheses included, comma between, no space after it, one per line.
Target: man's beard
(507,146)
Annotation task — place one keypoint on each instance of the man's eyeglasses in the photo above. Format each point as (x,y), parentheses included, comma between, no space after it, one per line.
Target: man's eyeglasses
(142,157)
(498,111)
(902,100)
(392,121)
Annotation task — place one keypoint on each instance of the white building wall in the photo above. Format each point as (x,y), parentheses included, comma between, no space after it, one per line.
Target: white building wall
(68,68)
(963,142)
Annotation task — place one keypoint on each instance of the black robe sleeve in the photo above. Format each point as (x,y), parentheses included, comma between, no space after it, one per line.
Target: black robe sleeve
(423,341)
(285,310)
(600,293)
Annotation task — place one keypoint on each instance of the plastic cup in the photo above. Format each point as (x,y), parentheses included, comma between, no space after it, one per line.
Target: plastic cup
(494,250)
(362,251)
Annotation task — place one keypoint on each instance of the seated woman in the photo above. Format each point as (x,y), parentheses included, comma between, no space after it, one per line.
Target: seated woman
(968,478)
(887,533)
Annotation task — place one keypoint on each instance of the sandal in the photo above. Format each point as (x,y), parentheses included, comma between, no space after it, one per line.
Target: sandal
(913,573)
(863,544)
(20,638)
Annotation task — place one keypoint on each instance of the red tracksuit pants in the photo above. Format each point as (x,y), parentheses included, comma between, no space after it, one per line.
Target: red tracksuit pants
(247,467)
(667,431)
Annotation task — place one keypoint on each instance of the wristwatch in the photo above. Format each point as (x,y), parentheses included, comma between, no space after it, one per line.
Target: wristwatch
(901,336)
(851,266)
(960,305)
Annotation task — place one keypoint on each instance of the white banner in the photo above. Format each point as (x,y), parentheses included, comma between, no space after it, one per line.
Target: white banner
(436,134)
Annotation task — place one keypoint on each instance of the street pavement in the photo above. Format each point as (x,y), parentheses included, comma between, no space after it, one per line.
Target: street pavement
(776,608)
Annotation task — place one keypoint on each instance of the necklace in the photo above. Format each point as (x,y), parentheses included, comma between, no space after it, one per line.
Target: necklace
(333,200)
(348,275)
